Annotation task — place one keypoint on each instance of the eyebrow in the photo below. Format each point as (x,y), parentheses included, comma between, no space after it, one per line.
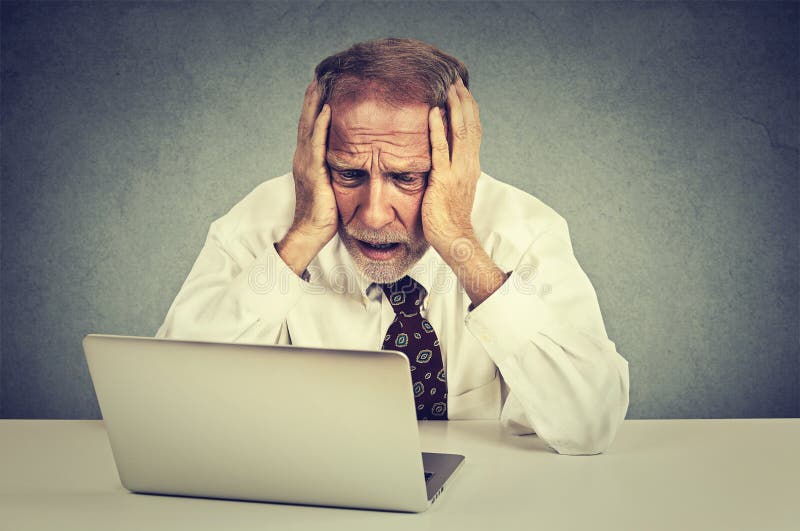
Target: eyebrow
(407,166)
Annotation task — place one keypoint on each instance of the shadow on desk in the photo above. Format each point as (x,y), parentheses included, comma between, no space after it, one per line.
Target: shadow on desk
(484,434)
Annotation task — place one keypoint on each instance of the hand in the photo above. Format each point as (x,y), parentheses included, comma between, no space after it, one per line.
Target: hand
(447,204)
(316,216)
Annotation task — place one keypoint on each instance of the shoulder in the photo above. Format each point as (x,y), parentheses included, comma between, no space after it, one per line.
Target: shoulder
(500,206)
(507,220)
(266,211)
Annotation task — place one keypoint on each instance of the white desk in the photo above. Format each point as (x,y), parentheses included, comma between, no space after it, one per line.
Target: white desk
(669,474)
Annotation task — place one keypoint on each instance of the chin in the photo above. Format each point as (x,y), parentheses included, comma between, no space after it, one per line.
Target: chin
(379,271)
(383,271)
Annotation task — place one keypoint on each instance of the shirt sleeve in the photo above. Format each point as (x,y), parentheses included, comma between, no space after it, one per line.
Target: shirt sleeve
(544,331)
(231,295)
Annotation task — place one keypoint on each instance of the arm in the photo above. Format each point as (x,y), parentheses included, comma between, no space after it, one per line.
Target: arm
(567,382)
(231,295)
(449,196)
(544,331)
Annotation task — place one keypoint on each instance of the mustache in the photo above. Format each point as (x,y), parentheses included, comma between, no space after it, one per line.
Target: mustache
(375,236)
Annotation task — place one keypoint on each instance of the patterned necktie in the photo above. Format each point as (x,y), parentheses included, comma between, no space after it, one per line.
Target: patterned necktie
(413,335)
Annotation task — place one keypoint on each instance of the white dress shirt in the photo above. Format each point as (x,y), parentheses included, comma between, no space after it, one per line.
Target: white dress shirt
(535,354)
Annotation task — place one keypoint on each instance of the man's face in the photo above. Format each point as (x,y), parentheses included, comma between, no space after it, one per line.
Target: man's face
(379,157)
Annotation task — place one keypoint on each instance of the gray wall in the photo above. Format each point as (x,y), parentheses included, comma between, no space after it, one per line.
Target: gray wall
(665,133)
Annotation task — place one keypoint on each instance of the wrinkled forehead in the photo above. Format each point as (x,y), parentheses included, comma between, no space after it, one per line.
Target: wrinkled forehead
(360,126)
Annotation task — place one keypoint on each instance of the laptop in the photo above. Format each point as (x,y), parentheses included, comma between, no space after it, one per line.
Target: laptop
(268,423)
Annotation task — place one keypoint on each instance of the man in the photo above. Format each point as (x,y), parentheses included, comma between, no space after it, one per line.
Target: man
(387,235)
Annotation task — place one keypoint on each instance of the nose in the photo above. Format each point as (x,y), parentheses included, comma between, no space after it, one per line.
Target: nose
(376,210)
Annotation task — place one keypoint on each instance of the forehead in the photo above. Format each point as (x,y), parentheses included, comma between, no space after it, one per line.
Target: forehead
(359,127)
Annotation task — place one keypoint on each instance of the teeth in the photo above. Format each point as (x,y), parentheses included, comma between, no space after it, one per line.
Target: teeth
(381,245)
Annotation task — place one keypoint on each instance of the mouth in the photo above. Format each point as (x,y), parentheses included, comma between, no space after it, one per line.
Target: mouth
(378,251)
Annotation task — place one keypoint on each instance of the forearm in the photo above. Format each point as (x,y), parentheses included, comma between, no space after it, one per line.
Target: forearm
(567,383)
(569,389)
(222,300)
(545,333)
(297,251)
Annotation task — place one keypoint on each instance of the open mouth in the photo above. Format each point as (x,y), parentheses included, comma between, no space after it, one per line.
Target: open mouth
(381,246)
(378,250)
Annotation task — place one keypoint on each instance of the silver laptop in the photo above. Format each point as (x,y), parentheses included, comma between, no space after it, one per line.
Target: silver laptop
(265,423)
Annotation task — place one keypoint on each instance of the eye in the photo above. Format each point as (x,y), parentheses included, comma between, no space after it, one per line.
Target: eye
(350,178)
(410,181)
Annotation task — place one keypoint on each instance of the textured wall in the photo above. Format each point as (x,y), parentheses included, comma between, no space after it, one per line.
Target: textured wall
(665,133)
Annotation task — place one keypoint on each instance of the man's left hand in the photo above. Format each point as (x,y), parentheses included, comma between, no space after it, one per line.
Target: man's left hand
(447,204)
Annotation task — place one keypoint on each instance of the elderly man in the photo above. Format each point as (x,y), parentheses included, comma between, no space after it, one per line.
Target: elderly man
(386,234)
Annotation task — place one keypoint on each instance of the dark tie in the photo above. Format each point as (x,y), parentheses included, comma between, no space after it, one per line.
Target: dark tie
(414,336)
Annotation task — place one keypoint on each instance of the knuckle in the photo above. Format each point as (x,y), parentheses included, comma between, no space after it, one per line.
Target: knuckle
(440,146)
(460,132)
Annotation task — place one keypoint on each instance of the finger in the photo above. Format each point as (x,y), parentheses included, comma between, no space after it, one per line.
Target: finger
(309,113)
(440,150)
(469,110)
(319,136)
(458,131)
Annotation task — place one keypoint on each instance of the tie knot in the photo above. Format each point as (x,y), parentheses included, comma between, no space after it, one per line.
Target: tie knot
(405,295)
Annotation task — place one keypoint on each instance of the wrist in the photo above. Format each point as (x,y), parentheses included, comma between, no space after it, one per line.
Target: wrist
(457,245)
(477,273)
(297,250)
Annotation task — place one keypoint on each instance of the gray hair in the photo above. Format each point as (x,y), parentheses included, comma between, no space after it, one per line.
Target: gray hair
(397,71)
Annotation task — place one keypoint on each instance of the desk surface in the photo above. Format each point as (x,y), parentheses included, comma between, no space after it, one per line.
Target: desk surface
(659,474)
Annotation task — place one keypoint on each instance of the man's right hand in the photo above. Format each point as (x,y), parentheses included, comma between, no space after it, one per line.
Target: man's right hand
(316,216)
